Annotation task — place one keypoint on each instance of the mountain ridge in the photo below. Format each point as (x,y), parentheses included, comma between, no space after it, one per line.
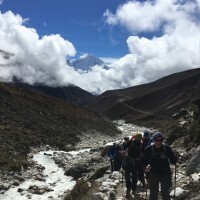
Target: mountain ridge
(162,97)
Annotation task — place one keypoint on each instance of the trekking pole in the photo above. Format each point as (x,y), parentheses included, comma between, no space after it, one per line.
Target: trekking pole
(122,177)
(175,181)
(146,197)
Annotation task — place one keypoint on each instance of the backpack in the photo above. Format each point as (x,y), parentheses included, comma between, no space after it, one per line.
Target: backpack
(135,149)
(117,159)
(164,150)
(147,142)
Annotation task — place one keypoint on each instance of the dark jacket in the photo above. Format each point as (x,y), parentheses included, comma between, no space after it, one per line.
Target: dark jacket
(158,159)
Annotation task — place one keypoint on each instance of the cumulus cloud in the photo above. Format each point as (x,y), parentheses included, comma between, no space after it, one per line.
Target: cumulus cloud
(178,47)
(43,59)
(108,60)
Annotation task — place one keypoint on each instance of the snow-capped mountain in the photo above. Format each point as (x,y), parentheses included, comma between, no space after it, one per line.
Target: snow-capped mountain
(87,62)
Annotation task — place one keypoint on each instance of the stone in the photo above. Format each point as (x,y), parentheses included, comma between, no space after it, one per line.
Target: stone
(77,170)
(194,165)
(98,196)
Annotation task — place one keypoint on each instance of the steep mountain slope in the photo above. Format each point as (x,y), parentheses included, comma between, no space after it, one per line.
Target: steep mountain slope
(73,94)
(87,62)
(30,119)
(159,99)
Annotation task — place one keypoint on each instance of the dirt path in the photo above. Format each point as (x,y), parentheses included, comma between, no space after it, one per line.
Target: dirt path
(145,112)
(141,193)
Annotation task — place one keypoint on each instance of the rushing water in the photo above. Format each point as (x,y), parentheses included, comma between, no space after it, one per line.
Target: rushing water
(54,176)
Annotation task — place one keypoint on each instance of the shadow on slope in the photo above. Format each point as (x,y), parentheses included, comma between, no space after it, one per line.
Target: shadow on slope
(29,119)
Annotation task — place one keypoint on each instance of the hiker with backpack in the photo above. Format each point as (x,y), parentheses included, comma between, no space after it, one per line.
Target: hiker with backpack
(147,139)
(114,153)
(156,162)
(132,164)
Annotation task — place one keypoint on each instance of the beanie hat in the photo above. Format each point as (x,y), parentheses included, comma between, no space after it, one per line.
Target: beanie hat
(146,133)
(158,135)
(138,135)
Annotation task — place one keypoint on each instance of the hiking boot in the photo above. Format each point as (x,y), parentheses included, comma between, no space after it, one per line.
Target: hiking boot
(133,192)
(143,185)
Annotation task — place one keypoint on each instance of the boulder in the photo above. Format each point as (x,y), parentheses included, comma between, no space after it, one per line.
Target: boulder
(194,165)
(77,170)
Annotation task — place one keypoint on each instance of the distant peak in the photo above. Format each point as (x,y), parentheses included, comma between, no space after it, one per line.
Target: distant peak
(86,62)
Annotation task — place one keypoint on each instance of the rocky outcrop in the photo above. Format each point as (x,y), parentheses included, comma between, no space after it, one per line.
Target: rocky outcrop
(180,114)
(194,164)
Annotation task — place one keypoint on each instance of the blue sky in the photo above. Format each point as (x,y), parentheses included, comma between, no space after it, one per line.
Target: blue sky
(79,21)
(150,39)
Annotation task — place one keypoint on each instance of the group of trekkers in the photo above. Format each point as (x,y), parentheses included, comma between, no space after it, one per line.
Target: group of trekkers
(144,157)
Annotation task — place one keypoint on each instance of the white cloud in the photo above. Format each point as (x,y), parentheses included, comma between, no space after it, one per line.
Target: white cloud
(178,47)
(108,60)
(43,60)
(1,1)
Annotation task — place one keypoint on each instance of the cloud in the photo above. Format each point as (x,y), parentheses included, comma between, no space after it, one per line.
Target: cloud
(43,59)
(36,59)
(109,60)
(176,49)
(1,1)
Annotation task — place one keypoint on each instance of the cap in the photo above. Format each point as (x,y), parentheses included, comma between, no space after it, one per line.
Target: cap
(158,135)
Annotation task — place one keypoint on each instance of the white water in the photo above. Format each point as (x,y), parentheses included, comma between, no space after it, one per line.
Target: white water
(55,179)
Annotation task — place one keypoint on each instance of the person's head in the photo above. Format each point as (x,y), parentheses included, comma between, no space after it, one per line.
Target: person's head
(158,139)
(138,136)
(146,134)
(126,138)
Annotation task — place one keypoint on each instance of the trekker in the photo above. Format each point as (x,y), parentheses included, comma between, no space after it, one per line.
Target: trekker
(133,168)
(156,161)
(114,153)
(147,140)
(124,144)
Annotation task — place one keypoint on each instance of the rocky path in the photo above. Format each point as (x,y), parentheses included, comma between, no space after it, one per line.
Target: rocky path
(45,179)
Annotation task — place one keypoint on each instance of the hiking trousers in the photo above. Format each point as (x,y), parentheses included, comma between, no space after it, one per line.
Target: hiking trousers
(165,181)
(112,164)
(133,173)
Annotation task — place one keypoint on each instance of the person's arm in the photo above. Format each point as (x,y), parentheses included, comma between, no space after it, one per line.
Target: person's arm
(172,157)
(147,156)
(109,152)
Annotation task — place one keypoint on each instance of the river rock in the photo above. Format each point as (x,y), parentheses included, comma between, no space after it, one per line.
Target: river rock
(19,178)
(4,186)
(180,193)
(77,170)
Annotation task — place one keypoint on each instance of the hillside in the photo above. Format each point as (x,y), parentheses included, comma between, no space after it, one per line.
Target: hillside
(71,93)
(156,100)
(29,119)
